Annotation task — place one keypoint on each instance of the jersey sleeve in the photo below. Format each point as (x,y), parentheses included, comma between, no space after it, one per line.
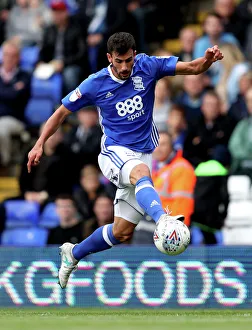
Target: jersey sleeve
(82,96)
(164,65)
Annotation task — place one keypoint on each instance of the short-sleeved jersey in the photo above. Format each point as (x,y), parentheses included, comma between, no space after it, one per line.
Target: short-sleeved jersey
(125,106)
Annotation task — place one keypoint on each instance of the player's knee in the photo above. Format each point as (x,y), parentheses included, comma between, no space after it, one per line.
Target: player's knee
(123,235)
(138,172)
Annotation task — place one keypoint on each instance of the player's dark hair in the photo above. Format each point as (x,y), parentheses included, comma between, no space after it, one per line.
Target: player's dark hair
(121,42)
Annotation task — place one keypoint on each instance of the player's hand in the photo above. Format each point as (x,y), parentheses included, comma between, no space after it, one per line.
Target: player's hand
(34,157)
(213,54)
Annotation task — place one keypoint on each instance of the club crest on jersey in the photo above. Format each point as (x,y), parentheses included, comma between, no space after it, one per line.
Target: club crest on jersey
(138,83)
(76,94)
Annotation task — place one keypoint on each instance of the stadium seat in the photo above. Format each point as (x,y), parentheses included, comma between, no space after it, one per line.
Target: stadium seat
(29,57)
(237,236)
(38,111)
(198,239)
(47,89)
(49,218)
(24,237)
(239,187)
(21,213)
(239,213)
(219,237)
(196,236)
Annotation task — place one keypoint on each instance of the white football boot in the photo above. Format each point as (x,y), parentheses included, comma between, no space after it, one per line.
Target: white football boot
(165,217)
(68,264)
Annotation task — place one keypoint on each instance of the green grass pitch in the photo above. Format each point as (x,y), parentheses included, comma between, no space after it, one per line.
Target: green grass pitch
(119,319)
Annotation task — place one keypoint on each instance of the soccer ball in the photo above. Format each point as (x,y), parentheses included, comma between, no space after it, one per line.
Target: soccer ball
(171,237)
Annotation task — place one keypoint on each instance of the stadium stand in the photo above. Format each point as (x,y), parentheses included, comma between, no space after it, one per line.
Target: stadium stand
(29,57)
(24,237)
(238,224)
(38,110)
(21,213)
(48,89)
(49,218)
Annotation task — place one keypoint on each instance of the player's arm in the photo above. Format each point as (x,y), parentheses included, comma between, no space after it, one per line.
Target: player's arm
(200,64)
(49,129)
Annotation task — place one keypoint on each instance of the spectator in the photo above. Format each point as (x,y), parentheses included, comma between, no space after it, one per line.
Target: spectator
(211,194)
(118,18)
(213,35)
(144,11)
(70,228)
(103,214)
(177,126)
(90,188)
(248,43)
(162,103)
(187,37)
(238,109)
(208,132)
(84,139)
(174,179)
(190,98)
(54,175)
(14,95)
(5,7)
(63,46)
(244,12)
(240,144)
(232,22)
(91,16)
(26,21)
(233,67)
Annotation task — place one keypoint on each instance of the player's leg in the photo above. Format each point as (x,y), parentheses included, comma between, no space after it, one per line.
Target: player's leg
(146,195)
(104,237)
(101,239)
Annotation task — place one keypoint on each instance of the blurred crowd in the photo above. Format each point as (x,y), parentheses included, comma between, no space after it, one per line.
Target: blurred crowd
(205,121)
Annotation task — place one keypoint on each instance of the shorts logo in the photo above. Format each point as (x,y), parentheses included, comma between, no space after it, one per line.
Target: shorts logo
(113,177)
(129,107)
(76,94)
(138,83)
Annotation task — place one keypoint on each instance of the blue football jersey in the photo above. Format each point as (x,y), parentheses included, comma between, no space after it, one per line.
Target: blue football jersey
(125,106)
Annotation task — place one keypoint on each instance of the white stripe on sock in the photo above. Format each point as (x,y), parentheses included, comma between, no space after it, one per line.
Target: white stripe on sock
(143,186)
(105,235)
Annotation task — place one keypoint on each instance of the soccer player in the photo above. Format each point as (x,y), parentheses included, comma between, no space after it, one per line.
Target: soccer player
(124,95)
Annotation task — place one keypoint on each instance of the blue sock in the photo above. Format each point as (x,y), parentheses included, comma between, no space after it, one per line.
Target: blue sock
(148,198)
(101,239)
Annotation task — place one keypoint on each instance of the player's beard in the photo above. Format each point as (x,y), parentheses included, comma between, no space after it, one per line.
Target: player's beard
(124,77)
(119,74)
